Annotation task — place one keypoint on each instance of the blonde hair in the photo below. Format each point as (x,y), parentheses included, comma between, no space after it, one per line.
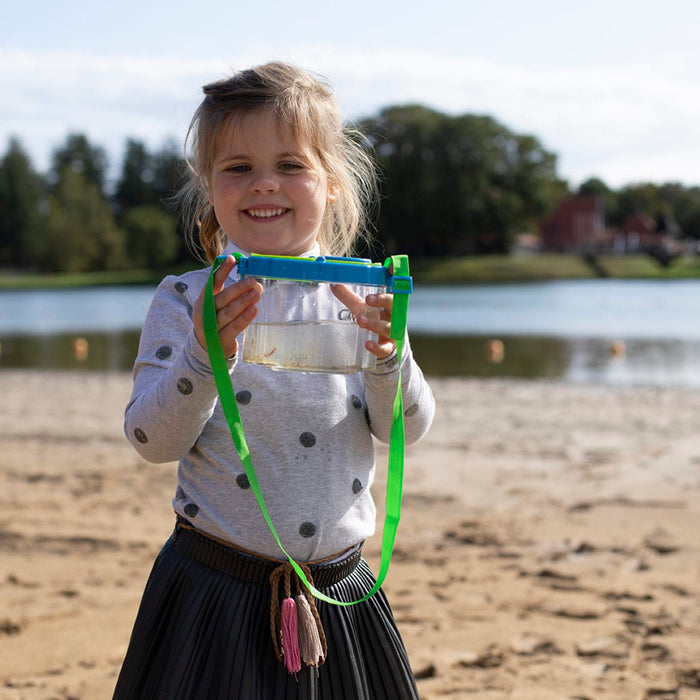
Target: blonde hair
(306,104)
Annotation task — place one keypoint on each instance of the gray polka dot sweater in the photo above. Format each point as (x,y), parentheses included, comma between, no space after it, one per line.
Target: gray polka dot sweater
(310,435)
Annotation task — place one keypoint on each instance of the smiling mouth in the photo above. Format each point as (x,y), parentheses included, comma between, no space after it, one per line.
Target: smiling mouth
(264,213)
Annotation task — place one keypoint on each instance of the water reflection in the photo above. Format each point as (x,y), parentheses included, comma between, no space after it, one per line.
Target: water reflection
(113,351)
(523,357)
(580,360)
(644,361)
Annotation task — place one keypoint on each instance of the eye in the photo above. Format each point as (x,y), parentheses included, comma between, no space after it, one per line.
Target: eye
(237,168)
(291,166)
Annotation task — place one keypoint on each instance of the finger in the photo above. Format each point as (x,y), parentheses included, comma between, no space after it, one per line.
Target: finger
(222,273)
(380,301)
(238,303)
(346,296)
(381,326)
(228,333)
(233,318)
(381,349)
(236,291)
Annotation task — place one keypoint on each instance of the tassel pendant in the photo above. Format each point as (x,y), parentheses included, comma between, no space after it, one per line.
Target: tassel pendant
(290,636)
(297,632)
(310,646)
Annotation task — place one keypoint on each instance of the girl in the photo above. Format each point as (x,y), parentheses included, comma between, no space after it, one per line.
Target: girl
(273,172)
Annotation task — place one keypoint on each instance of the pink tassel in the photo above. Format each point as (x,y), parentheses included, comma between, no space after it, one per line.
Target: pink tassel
(290,638)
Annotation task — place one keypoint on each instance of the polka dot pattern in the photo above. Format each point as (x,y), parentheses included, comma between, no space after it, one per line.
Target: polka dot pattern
(164,352)
(357,486)
(244,397)
(411,410)
(140,436)
(191,510)
(181,287)
(184,386)
(307,439)
(307,529)
(242,481)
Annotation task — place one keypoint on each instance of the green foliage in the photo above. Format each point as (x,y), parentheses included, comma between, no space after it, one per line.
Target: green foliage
(169,170)
(80,231)
(452,186)
(135,186)
(457,185)
(671,203)
(683,204)
(80,156)
(150,237)
(21,221)
(150,180)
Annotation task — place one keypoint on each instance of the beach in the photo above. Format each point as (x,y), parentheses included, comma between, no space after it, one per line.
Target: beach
(548,546)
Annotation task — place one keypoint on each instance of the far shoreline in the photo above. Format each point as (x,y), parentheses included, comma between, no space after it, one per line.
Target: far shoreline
(496,269)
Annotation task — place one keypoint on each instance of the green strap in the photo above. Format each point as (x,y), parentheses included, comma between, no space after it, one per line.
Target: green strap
(229,405)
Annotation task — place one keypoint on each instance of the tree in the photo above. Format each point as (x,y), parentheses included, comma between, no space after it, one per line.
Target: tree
(21,196)
(78,155)
(641,197)
(135,185)
(169,170)
(457,185)
(169,176)
(151,241)
(684,203)
(149,184)
(81,233)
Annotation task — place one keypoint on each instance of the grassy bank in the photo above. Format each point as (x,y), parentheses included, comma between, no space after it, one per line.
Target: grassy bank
(502,268)
(21,280)
(466,270)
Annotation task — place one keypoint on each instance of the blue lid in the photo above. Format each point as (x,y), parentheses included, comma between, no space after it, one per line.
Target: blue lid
(322,269)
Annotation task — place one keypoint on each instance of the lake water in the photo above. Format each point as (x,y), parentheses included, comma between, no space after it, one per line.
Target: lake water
(558,330)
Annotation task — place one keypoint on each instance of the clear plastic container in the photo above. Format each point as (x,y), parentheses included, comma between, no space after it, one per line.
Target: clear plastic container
(302,324)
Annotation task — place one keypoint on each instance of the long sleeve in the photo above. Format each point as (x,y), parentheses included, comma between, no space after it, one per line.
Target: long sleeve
(418,400)
(310,435)
(174,392)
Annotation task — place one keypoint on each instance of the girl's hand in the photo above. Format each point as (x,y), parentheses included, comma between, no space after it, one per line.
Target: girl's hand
(235,308)
(381,325)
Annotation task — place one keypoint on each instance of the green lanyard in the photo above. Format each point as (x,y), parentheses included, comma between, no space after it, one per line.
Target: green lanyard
(397,442)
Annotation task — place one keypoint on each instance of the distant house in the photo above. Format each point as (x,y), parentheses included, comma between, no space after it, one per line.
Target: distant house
(640,232)
(577,225)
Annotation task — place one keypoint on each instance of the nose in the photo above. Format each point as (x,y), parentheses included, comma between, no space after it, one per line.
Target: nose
(265,182)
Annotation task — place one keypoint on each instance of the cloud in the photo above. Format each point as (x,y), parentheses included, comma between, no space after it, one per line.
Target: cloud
(623,123)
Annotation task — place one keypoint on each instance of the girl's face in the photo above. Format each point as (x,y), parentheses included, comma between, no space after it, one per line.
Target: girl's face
(269,194)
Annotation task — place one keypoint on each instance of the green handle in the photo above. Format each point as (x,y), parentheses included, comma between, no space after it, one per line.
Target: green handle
(227,398)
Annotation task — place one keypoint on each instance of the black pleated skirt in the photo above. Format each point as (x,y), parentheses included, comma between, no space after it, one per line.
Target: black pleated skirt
(203,632)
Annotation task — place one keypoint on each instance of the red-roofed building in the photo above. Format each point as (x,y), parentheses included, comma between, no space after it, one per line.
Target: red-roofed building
(639,232)
(577,225)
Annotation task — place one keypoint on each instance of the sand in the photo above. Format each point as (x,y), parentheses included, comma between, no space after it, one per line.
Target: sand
(549,544)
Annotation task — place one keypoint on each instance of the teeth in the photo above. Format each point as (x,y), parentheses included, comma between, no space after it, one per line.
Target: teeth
(265,213)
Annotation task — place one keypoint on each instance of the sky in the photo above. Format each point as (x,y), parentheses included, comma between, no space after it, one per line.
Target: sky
(611,87)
